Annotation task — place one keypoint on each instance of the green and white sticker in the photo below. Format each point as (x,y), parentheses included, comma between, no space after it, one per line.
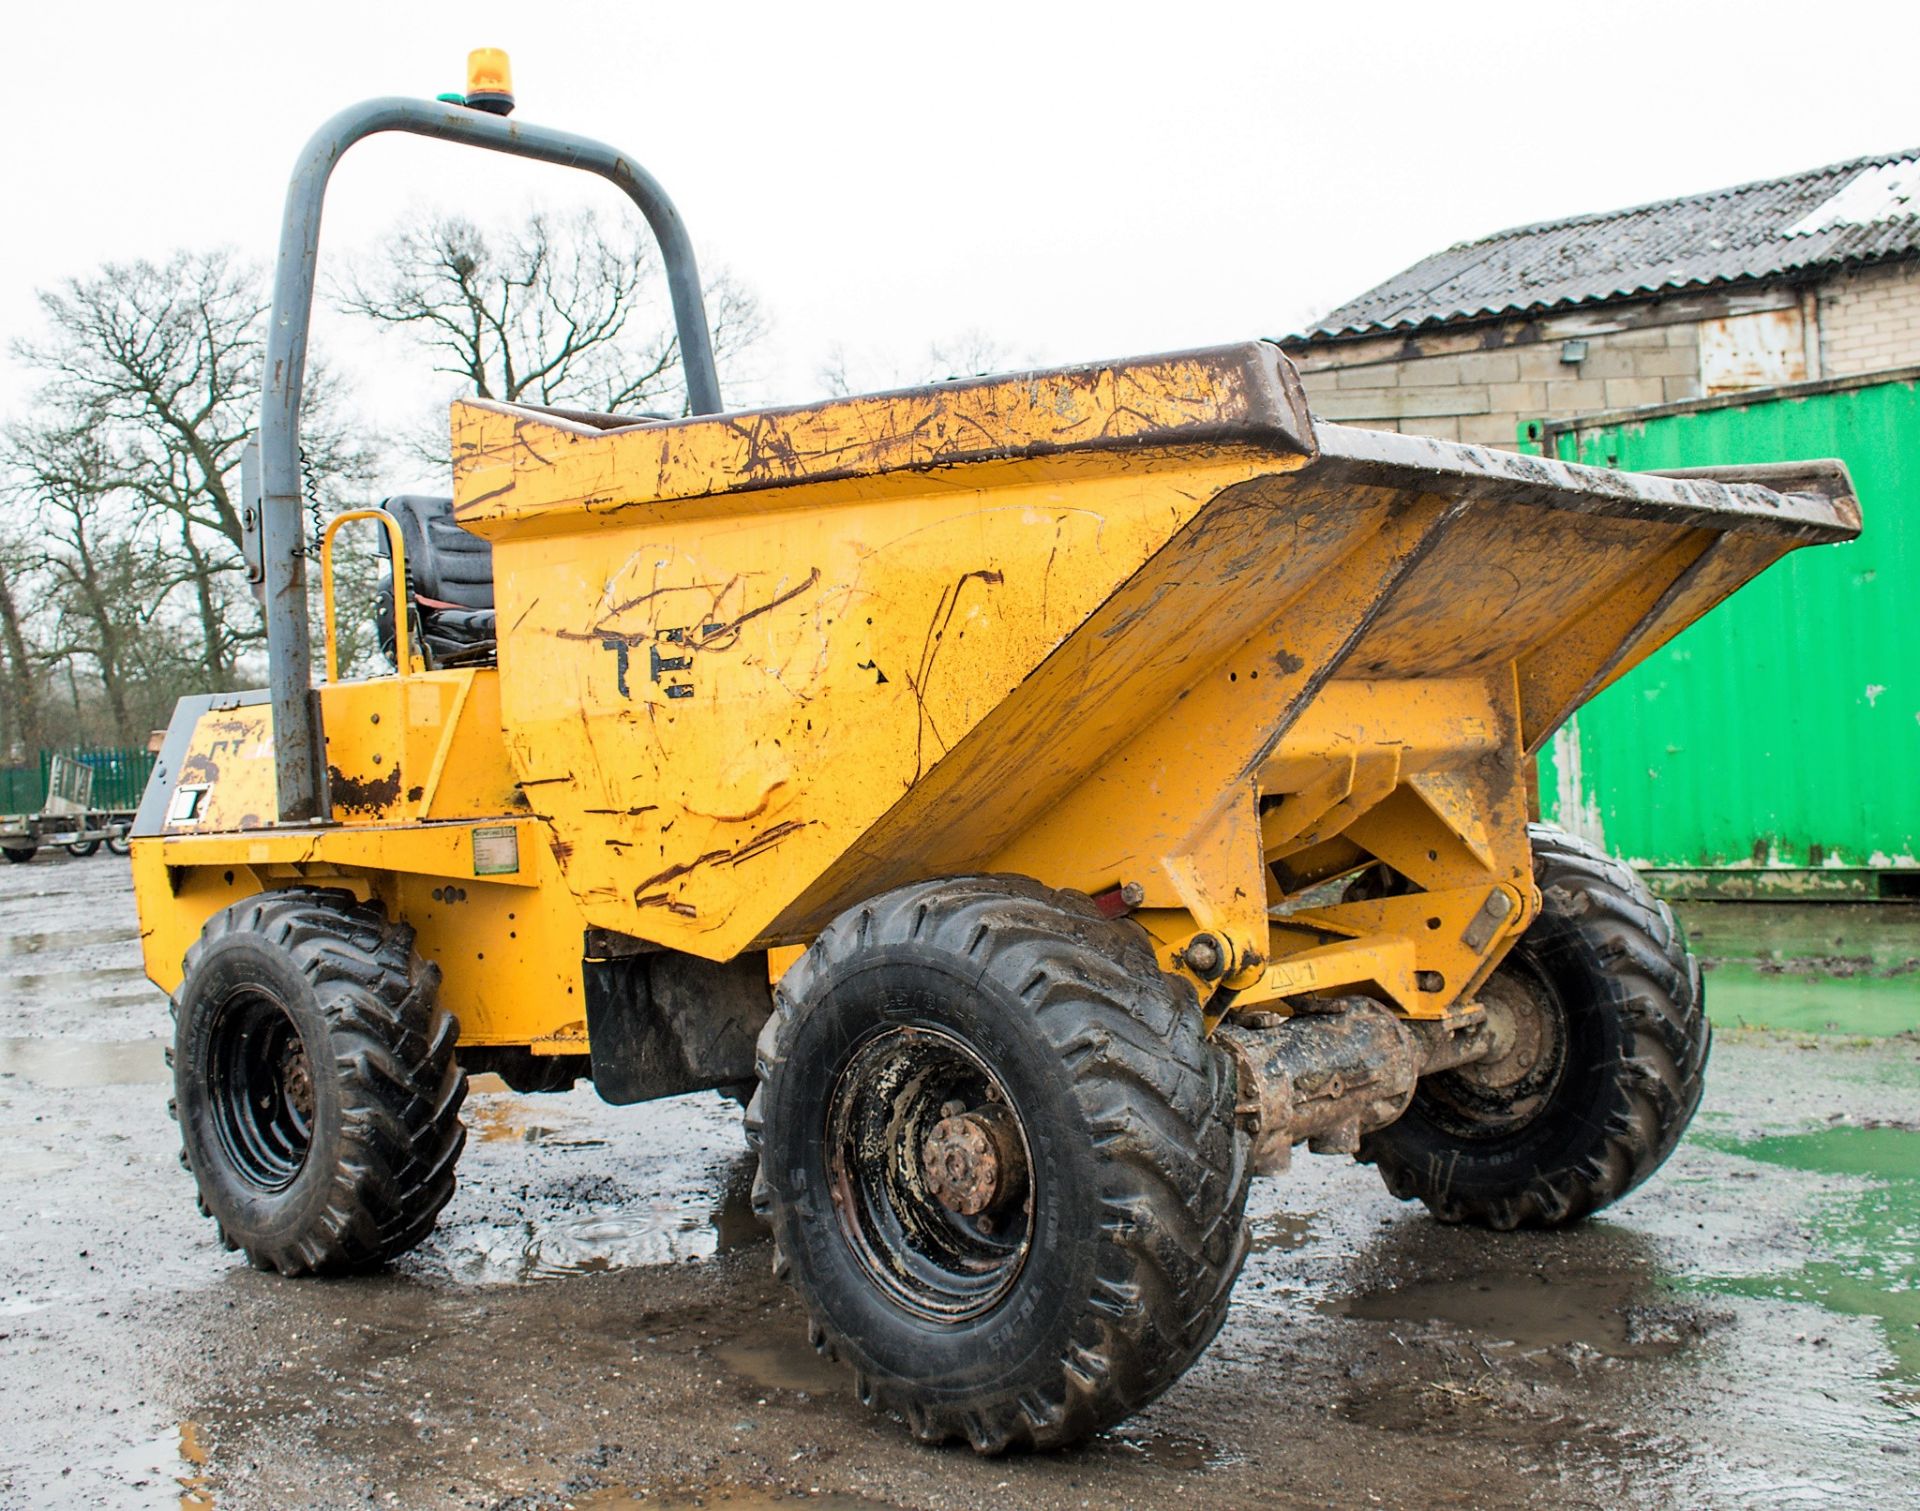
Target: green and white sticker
(496,851)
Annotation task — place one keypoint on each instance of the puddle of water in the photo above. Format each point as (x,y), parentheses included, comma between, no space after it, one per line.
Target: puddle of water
(1283,1230)
(87,983)
(1809,967)
(501,1123)
(70,1064)
(172,1464)
(1533,1311)
(34,1164)
(1741,995)
(740,1497)
(504,1119)
(1835,939)
(784,1363)
(1167,1450)
(647,1233)
(1866,1234)
(677,1229)
(194,1492)
(64,939)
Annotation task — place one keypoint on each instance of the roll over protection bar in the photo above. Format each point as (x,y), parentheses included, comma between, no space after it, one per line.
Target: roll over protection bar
(298,761)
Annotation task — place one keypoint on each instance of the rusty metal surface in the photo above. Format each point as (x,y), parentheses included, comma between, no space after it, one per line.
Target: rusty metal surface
(1327,1077)
(971,1158)
(1826,511)
(1761,349)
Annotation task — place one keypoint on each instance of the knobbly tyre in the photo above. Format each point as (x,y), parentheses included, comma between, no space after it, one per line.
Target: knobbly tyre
(1120,777)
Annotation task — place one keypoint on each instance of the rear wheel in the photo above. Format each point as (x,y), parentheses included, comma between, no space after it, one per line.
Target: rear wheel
(1600,1042)
(83,848)
(315,1082)
(19,855)
(1000,1161)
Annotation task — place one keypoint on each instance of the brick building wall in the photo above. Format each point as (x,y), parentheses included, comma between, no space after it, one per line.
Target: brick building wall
(1870,319)
(1478,383)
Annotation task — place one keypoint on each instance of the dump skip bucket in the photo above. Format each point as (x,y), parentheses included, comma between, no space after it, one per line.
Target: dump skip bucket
(756,668)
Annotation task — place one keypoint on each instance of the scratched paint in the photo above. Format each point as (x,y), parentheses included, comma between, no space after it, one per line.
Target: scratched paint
(817,657)
(1138,624)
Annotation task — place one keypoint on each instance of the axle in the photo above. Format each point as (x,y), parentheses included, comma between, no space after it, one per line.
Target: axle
(1327,1077)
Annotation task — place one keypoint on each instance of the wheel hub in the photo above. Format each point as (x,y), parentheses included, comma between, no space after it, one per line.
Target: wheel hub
(1519,1033)
(929,1172)
(971,1158)
(1526,1039)
(296,1077)
(263,1089)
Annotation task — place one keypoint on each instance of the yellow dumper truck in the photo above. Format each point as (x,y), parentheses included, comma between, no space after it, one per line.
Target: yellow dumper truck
(1049,798)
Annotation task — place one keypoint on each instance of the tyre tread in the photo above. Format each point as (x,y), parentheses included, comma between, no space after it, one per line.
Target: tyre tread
(1646,975)
(392,1052)
(1150,1084)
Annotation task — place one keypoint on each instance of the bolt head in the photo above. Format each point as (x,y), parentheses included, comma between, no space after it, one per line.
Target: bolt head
(1204,956)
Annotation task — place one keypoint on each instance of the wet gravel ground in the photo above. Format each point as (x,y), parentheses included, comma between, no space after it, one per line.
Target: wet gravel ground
(594,1323)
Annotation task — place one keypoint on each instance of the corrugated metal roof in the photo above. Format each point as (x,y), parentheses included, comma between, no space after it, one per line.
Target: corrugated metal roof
(1859,211)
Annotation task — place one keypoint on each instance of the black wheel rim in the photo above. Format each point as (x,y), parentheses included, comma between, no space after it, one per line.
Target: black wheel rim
(262,1084)
(1476,1102)
(934,1262)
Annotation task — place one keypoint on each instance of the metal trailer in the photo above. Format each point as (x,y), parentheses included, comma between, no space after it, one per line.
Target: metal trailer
(67,818)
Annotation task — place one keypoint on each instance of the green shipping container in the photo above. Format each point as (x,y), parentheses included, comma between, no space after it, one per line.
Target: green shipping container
(1774,747)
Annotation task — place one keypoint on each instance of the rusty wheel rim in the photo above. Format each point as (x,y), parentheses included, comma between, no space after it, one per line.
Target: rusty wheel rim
(1503,1093)
(262,1090)
(929,1169)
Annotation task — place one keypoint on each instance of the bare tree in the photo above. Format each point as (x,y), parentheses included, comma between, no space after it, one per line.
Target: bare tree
(151,381)
(970,354)
(19,669)
(568,311)
(104,582)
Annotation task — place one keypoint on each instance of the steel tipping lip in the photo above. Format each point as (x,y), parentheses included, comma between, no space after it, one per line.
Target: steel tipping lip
(1813,502)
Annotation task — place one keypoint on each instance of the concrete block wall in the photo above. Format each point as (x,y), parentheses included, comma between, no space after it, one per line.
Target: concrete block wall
(1870,319)
(1514,372)
(1478,383)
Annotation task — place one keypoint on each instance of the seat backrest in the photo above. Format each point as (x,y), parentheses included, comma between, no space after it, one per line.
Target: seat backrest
(444,562)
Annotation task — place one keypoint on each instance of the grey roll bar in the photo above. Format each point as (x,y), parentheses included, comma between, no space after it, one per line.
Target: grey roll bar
(296,715)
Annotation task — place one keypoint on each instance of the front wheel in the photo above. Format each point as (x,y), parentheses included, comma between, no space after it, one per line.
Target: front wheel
(1600,1039)
(315,1082)
(19,855)
(1000,1160)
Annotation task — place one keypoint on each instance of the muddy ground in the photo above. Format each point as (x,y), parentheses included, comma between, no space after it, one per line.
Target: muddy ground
(594,1324)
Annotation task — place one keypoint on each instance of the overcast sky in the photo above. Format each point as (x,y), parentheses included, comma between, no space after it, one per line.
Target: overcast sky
(1070,181)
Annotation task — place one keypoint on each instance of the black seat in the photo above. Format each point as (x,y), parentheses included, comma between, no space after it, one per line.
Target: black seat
(450,582)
